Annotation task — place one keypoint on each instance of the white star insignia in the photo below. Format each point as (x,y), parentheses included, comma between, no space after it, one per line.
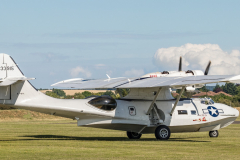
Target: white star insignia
(213,111)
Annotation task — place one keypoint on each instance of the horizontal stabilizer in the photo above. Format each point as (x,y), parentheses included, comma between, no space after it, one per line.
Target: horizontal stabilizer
(11,80)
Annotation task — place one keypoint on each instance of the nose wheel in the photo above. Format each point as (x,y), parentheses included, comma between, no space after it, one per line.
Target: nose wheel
(213,133)
(162,132)
(133,135)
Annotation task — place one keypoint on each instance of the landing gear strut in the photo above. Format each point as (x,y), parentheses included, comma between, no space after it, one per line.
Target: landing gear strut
(133,135)
(162,132)
(213,133)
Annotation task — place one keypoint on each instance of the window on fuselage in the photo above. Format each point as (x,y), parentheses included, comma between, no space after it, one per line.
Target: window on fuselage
(193,112)
(181,112)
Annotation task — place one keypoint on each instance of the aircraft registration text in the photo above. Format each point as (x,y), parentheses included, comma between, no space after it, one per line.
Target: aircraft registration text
(6,68)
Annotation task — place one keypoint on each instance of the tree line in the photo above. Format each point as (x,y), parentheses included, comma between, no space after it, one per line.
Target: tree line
(58,93)
(229,88)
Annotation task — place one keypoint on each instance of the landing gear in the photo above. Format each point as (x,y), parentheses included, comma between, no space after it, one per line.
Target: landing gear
(162,132)
(133,135)
(213,133)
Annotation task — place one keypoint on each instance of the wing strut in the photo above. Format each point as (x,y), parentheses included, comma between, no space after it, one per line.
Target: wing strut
(177,100)
(154,100)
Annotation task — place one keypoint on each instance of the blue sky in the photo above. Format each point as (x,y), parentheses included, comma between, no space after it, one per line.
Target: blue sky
(51,38)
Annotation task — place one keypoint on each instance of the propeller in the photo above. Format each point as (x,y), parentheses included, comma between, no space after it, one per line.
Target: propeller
(207,69)
(180,64)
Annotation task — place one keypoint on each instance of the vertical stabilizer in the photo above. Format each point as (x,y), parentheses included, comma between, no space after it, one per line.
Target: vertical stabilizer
(8,68)
(12,81)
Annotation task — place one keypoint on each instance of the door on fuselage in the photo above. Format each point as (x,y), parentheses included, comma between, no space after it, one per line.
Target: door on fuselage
(5,92)
(181,113)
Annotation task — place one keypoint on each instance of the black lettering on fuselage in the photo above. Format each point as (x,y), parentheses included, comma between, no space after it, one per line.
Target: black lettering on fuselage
(6,68)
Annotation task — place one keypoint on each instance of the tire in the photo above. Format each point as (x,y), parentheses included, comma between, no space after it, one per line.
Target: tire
(133,135)
(213,133)
(162,133)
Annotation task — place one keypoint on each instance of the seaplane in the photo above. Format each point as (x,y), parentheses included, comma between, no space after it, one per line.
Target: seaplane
(149,108)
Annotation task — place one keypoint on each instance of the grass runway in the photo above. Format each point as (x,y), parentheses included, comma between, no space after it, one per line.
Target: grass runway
(51,139)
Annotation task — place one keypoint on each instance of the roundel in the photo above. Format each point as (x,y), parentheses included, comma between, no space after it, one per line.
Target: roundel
(213,111)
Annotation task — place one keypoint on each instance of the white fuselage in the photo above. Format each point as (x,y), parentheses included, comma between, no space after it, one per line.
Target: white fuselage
(130,114)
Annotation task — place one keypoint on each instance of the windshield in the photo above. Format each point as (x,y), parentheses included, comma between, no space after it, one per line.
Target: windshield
(206,101)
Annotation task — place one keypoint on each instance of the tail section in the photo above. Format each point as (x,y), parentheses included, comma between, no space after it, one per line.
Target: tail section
(9,71)
(8,67)
(10,77)
(17,92)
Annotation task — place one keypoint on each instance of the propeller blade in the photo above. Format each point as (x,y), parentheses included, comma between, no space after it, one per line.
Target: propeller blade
(180,64)
(207,69)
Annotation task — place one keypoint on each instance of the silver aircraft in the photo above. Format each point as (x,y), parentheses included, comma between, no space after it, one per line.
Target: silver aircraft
(148,108)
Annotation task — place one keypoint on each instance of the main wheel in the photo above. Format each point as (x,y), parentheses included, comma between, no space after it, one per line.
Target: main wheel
(162,132)
(213,133)
(133,135)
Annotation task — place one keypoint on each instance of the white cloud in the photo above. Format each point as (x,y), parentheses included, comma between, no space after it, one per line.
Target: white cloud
(134,73)
(75,72)
(196,56)
(50,56)
(99,66)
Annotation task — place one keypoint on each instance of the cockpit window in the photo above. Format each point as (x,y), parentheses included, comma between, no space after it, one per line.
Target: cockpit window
(106,103)
(193,112)
(212,102)
(207,101)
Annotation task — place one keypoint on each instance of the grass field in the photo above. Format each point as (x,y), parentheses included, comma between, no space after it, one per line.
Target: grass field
(62,139)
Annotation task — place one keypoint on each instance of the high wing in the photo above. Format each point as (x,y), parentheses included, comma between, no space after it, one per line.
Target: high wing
(146,82)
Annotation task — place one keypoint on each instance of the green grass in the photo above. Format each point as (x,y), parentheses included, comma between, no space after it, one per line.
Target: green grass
(53,139)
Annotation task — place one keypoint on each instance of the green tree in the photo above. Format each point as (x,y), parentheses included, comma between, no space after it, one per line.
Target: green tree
(217,88)
(230,88)
(203,89)
(79,96)
(86,93)
(69,96)
(109,93)
(51,94)
(59,92)
(238,90)
(124,91)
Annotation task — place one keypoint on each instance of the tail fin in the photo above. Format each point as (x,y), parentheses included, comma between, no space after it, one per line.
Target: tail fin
(9,75)
(9,71)
(8,67)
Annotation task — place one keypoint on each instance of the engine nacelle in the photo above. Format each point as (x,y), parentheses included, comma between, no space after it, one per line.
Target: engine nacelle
(175,73)
(197,73)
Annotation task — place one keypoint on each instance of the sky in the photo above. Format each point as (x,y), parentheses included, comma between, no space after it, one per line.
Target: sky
(54,40)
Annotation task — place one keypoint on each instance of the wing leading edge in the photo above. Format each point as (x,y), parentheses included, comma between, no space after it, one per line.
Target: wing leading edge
(146,82)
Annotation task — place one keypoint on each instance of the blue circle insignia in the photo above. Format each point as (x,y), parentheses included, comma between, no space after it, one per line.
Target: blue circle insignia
(213,111)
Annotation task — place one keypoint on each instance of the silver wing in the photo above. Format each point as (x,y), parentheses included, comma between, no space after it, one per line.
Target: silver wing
(146,82)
